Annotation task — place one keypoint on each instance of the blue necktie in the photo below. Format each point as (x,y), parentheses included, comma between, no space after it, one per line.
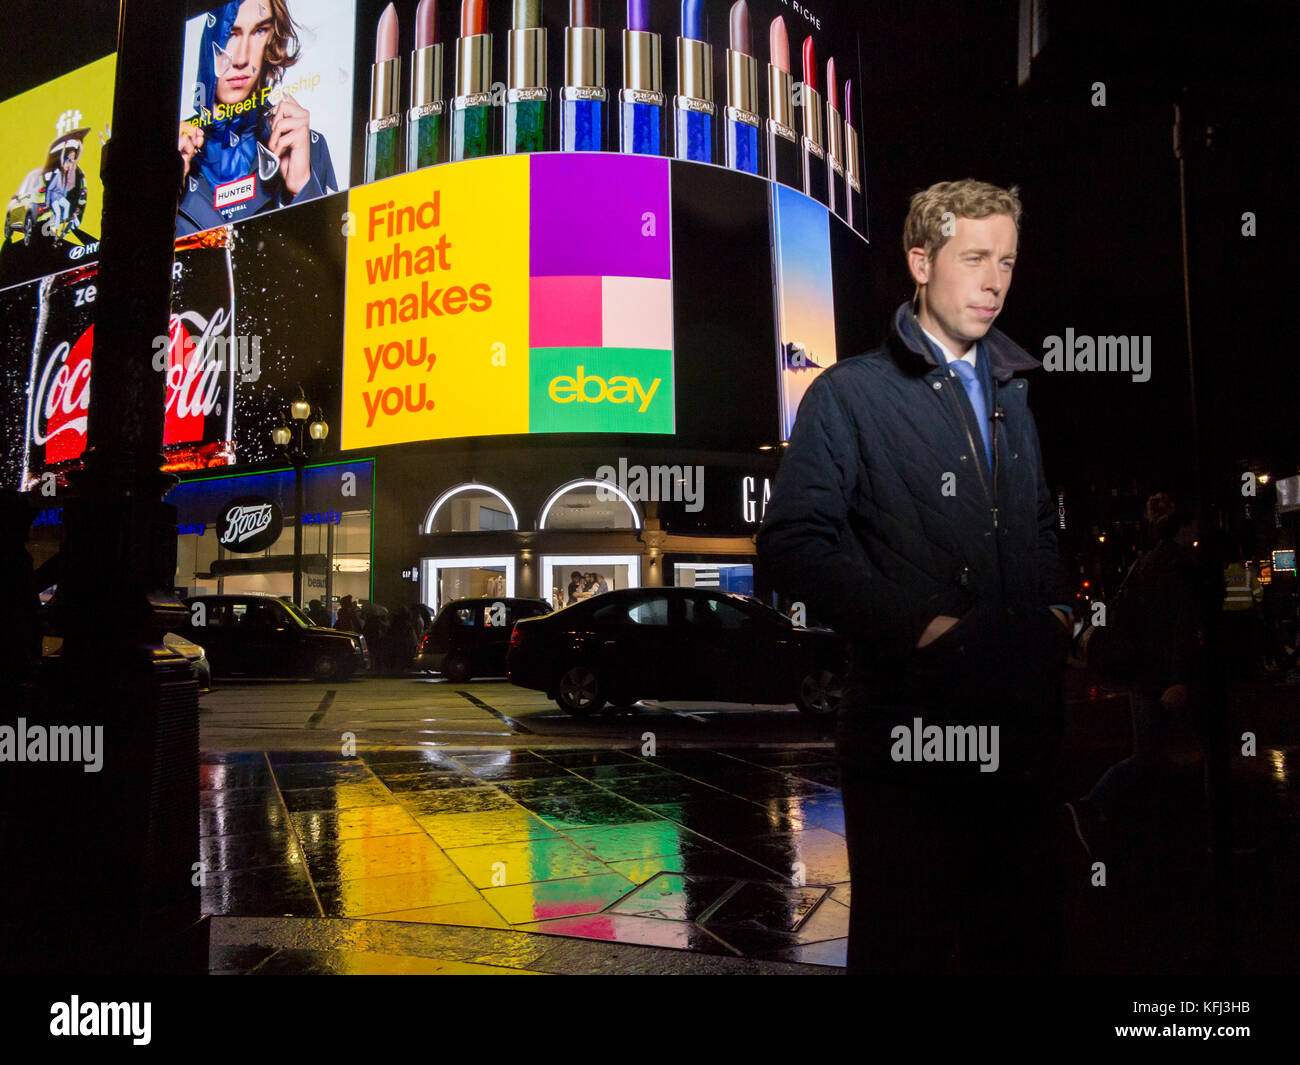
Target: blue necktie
(975,390)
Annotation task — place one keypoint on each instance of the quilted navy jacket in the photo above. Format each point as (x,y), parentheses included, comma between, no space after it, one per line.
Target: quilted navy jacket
(885,514)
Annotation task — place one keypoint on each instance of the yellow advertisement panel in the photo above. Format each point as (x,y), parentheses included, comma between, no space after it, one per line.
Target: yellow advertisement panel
(435,340)
(51,138)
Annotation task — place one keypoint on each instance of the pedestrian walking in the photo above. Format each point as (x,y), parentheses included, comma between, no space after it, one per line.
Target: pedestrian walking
(1158,617)
(403,639)
(317,612)
(349,619)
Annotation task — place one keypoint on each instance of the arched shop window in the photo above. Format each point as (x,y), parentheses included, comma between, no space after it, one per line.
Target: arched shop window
(470,508)
(589,504)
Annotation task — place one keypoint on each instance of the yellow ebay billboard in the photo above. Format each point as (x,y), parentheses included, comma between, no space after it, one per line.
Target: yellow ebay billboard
(484,297)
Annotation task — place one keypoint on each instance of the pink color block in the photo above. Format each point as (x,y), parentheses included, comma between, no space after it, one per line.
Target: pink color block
(564,312)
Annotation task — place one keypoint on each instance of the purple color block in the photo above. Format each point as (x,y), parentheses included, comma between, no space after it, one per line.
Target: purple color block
(587,215)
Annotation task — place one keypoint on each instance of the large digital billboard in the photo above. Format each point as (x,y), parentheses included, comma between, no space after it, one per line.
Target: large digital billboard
(257,315)
(51,139)
(763,87)
(446,227)
(485,298)
(266,95)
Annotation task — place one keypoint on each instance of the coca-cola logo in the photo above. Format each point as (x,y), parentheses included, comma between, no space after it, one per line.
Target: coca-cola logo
(59,407)
(198,385)
(249,524)
(196,374)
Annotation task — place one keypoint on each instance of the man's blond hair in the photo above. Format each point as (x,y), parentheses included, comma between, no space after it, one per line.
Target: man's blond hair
(930,217)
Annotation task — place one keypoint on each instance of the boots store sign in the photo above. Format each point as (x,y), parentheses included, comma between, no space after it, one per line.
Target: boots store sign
(249,524)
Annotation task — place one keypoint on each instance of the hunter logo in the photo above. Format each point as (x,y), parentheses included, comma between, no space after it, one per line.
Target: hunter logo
(249,524)
(233,192)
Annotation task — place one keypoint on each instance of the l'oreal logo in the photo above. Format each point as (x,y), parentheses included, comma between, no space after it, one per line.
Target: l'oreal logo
(579,389)
(233,192)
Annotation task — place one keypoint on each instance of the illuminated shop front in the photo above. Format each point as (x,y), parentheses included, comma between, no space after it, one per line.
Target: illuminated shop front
(522,528)
(337,533)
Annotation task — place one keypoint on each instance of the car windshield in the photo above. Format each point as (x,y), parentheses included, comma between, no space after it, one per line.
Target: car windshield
(298,615)
(749,602)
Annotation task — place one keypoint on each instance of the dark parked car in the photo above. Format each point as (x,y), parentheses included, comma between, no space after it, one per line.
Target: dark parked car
(263,635)
(52,646)
(676,643)
(470,637)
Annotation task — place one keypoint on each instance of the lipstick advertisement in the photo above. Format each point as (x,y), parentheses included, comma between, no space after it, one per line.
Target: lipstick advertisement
(758,86)
(266,95)
(50,144)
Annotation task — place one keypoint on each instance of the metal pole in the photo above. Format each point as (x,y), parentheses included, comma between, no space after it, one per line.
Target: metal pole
(1213,536)
(299,460)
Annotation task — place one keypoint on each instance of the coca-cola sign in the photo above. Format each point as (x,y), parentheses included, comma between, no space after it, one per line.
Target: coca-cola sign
(197,385)
(62,399)
(196,374)
(249,524)
(196,358)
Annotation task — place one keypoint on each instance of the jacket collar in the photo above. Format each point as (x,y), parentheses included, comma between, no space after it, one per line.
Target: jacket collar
(909,346)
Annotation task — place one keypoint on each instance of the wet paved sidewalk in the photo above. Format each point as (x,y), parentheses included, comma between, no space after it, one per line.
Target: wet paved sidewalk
(598,845)
(731,859)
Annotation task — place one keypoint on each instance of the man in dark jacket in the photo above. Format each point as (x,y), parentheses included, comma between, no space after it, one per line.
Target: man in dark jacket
(911,512)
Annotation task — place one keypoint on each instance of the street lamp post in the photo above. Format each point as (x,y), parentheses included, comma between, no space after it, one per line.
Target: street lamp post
(295,441)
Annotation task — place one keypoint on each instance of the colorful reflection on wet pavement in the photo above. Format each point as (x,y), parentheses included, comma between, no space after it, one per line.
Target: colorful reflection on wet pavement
(738,853)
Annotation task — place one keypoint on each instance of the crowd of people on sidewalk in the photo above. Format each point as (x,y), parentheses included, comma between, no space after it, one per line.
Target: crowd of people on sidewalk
(392,636)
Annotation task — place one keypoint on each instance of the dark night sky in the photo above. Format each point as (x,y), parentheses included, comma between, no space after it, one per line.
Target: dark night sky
(1101,246)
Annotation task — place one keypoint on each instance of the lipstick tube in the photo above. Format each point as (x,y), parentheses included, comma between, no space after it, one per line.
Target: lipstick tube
(854,204)
(424,138)
(740,116)
(641,100)
(474,120)
(784,158)
(814,155)
(693,109)
(834,162)
(528,98)
(583,98)
(384,128)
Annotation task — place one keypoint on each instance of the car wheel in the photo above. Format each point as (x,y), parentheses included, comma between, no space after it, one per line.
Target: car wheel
(579,690)
(326,667)
(820,692)
(456,669)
